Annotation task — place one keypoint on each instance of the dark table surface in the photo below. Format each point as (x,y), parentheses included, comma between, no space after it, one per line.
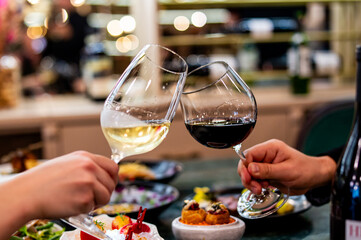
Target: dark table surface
(222,173)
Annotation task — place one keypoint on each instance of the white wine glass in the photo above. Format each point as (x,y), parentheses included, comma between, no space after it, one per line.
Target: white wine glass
(220,111)
(140,108)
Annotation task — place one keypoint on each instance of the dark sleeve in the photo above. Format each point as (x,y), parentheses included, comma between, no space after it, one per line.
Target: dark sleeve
(321,195)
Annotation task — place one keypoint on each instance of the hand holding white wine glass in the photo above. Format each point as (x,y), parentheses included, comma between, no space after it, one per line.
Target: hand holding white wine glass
(220,112)
(137,113)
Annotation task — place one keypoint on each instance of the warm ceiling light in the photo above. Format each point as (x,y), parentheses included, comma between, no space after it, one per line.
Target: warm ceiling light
(181,23)
(135,41)
(77,3)
(128,23)
(33,2)
(199,19)
(123,44)
(36,32)
(114,28)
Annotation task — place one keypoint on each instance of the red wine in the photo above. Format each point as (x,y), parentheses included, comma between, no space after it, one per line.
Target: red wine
(220,133)
(346,189)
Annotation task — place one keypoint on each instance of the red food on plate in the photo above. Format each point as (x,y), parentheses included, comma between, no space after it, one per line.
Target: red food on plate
(138,226)
(120,221)
(85,236)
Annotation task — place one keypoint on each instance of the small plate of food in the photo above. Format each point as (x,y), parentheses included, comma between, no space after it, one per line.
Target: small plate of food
(129,196)
(162,171)
(214,223)
(39,229)
(229,197)
(17,162)
(120,227)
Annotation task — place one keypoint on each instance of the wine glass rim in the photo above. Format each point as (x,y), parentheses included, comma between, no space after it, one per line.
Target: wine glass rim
(212,83)
(171,51)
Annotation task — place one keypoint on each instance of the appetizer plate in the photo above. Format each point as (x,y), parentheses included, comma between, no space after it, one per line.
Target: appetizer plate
(230,196)
(6,172)
(164,170)
(156,197)
(231,231)
(39,228)
(75,234)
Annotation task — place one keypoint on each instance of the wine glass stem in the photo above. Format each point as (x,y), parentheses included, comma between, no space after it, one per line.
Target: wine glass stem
(238,150)
(116,157)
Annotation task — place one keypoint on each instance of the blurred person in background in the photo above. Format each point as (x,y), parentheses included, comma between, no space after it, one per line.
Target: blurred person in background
(67,30)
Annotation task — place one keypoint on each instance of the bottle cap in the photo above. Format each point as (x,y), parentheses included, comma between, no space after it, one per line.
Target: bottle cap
(358,52)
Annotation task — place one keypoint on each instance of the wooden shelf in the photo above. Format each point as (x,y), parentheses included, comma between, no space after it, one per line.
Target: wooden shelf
(241,38)
(194,4)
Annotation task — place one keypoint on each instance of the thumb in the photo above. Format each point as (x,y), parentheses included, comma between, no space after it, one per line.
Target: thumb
(265,170)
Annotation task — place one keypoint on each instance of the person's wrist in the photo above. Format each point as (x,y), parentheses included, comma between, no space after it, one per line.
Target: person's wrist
(14,201)
(327,170)
(26,201)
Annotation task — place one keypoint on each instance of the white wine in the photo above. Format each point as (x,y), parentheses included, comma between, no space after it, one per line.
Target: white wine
(136,139)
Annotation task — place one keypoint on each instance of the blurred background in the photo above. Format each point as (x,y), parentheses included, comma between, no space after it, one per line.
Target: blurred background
(59,60)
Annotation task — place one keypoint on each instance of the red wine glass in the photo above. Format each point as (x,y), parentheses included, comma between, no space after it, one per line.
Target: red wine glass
(220,112)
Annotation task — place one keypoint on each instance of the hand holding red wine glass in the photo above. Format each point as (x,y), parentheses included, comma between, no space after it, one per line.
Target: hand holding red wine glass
(220,112)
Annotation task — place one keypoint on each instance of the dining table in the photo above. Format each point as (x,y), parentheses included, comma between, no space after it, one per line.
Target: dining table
(311,224)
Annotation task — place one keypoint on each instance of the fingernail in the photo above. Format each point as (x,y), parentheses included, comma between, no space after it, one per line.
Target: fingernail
(254,168)
(254,190)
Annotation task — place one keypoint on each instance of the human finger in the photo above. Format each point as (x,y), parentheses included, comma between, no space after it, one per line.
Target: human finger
(243,173)
(263,152)
(268,171)
(101,195)
(105,163)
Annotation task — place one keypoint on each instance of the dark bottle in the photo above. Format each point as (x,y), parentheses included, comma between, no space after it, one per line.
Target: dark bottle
(346,189)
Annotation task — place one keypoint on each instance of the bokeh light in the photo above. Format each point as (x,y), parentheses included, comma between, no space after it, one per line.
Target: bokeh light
(123,44)
(77,3)
(134,40)
(34,19)
(181,23)
(36,32)
(33,2)
(64,15)
(128,23)
(199,19)
(39,44)
(114,28)
(46,22)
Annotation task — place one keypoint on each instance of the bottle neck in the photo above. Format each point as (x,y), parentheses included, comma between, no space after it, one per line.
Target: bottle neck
(358,74)
(358,83)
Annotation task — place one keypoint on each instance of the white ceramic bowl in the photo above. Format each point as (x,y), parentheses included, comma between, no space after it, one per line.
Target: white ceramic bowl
(231,231)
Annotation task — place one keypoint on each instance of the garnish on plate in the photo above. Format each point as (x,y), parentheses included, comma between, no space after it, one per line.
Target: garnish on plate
(217,213)
(40,229)
(123,227)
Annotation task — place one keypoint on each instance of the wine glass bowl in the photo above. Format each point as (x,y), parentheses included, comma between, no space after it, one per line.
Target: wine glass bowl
(220,111)
(138,112)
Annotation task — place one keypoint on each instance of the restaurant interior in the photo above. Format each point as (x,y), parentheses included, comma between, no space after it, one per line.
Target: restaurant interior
(60,59)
